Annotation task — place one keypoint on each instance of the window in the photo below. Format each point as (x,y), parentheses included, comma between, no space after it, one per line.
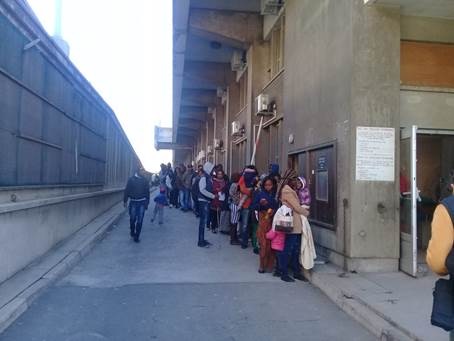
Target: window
(243,89)
(277,48)
(318,166)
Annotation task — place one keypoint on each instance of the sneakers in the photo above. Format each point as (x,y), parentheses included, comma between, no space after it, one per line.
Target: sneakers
(214,230)
(136,239)
(256,250)
(131,233)
(261,271)
(287,279)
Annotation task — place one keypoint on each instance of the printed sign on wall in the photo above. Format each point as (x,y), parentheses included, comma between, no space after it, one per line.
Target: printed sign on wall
(375,154)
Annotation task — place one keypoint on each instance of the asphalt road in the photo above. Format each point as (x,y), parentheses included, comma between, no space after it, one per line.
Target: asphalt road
(166,288)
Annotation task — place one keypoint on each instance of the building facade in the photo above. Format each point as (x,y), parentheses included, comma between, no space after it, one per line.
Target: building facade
(356,91)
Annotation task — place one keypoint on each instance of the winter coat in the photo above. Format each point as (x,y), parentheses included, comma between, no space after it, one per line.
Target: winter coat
(441,242)
(290,199)
(307,254)
(277,239)
(187,179)
(269,197)
(220,187)
(304,193)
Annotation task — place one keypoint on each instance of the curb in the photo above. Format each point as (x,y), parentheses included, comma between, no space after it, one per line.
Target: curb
(378,324)
(72,255)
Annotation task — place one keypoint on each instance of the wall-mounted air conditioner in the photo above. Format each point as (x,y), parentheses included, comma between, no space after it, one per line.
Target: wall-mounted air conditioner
(218,144)
(262,105)
(236,129)
(209,149)
(271,7)
(237,62)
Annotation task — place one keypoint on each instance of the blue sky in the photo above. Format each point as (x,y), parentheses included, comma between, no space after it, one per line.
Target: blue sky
(124,48)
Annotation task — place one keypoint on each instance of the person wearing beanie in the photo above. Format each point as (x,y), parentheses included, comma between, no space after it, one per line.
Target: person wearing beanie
(205,196)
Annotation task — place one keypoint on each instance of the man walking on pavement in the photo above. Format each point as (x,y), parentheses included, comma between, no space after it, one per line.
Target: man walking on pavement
(138,191)
(205,196)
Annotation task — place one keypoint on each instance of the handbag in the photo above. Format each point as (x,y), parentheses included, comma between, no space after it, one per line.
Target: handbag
(284,220)
(443,304)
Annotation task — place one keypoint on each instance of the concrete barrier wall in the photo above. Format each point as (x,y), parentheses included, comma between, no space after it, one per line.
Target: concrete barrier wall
(30,228)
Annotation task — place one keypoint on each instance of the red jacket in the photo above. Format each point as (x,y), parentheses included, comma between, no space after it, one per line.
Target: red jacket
(245,191)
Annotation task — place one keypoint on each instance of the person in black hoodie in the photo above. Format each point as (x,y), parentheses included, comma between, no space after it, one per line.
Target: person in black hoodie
(138,193)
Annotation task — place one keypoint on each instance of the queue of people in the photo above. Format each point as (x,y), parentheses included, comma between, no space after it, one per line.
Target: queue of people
(245,206)
(251,209)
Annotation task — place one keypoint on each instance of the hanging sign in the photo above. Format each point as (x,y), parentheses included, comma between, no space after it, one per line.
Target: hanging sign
(375,154)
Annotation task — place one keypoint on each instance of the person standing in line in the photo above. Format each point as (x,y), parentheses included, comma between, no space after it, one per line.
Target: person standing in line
(254,215)
(266,204)
(220,189)
(187,184)
(179,185)
(234,199)
(304,193)
(160,202)
(440,252)
(290,254)
(137,191)
(205,196)
(246,187)
(195,190)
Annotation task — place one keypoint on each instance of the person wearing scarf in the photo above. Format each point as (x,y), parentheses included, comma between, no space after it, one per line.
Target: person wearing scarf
(290,255)
(220,201)
(266,204)
(246,187)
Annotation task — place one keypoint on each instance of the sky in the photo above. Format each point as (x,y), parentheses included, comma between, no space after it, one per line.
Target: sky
(124,49)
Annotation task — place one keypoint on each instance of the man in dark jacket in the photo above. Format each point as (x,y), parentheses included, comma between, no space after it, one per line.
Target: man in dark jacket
(138,191)
(205,196)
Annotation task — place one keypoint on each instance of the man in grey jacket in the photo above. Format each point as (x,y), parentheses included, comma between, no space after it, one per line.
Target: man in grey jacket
(205,196)
(187,183)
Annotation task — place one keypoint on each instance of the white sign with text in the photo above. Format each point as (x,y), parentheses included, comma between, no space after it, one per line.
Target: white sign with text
(375,154)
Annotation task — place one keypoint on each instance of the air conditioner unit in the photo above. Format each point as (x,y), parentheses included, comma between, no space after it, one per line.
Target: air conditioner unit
(262,105)
(271,7)
(209,150)
(237,62)
(236,129)
(218,144)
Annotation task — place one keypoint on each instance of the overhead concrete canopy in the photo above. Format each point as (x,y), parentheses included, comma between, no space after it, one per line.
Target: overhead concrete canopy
(206,33)
(423,8)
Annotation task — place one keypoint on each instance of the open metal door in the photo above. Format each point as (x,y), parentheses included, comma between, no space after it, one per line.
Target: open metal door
(408,208)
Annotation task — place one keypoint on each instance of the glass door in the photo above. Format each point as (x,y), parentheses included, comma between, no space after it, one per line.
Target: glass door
(408,197)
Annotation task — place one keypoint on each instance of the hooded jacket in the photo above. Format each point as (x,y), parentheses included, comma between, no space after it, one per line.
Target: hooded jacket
(304,194)
(206,183)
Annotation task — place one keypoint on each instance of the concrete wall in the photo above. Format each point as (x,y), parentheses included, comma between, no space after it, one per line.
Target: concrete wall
(65,158)
(427,109)
(317,89)
(342,71)
(427,29)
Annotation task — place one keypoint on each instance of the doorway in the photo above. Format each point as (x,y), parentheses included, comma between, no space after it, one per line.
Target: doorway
(426,161)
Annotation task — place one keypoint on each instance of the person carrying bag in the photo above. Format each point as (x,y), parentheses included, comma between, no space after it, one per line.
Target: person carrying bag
(440,258)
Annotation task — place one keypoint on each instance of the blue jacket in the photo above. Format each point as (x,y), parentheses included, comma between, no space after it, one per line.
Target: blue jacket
(161,199)
(262,194)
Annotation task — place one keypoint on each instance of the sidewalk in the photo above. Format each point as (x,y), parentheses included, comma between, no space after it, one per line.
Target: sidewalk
(393,305)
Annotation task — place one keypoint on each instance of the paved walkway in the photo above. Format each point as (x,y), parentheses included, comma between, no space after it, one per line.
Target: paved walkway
(166,288)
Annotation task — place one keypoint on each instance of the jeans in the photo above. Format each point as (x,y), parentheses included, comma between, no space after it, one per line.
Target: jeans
(195,203)
(158,210)
(244,231)
(136,213)
(181,199)
(204,211)
(187,199)
(290,254)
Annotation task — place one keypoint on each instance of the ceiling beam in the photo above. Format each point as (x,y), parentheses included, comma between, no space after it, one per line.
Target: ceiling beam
(237,29)
(218,74)
(198,97)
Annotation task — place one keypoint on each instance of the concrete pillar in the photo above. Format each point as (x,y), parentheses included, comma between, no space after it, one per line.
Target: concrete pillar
(373,238)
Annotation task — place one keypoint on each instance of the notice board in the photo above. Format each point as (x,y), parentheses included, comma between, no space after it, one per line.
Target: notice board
(375,154)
